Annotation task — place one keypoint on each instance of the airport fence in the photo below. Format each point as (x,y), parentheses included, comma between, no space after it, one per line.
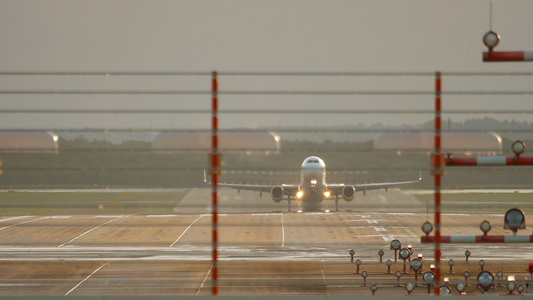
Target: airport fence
(159,135)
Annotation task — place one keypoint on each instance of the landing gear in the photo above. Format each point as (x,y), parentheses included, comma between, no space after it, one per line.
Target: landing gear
(336,204)
(289,201)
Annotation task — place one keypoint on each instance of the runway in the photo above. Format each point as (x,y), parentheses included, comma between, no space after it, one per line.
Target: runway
(263,248)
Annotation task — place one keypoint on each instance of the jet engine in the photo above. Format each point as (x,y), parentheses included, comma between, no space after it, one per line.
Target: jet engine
(277,193)
(348,193)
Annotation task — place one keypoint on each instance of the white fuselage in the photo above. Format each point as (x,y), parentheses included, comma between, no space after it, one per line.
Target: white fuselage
(313,182)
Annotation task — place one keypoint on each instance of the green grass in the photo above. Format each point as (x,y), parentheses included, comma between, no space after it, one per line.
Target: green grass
(90,203)
(482,202)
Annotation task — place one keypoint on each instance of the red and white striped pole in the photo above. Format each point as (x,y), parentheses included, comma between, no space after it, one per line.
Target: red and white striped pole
(488,161)
(215,163)
(499,56)
(437,172)
(467,239)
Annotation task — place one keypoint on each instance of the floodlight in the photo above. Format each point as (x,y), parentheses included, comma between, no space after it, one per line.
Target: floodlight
(395,245)
(416,264)
(518,147)
(485,226)
(485,280)
(511,286)
(520,289)
(460,287)
(373,288)
(404,254)
(429,277)
(409,287)
(514,219)
(445,290)
(491,39)
(427,228)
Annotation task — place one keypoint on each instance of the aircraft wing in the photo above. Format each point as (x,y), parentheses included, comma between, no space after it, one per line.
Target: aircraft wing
(288,189)
(337,188)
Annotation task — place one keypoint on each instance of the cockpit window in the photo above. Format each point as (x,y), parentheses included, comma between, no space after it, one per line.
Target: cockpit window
(313,161)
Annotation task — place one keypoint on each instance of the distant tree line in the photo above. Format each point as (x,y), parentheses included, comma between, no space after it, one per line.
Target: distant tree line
(98,163)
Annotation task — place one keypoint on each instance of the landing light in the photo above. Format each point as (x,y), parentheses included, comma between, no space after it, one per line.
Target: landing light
(313,181)
(327,194)
(299,194)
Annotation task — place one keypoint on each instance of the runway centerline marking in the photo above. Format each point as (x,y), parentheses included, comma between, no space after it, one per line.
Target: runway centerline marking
(185,231)
(92,229)
(94,272)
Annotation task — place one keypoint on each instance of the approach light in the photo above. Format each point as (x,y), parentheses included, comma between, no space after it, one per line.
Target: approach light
(405,254)
(381,253)
(518,147)
(460,287)
(491,39)
(511,285)
(499,274)
(466,274)
(481,264)
(395,245)
(520,289)
(451,263)
(373,289)
(514,219)
(445,290)
(409,287)
(485,226)
(364,274)
(398,274)
(485,280)
(416,265)
(358,263)
(427,228)
(467,255)
(299,194)
(429,278)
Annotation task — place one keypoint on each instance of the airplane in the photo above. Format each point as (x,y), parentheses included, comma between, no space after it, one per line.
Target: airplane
(313,189)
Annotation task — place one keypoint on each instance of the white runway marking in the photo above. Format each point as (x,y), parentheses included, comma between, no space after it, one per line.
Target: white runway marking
(94,228)
(13,218)
(203,282)
(381,228)
(77,285)
(324,278)
(23,223)
(185,231)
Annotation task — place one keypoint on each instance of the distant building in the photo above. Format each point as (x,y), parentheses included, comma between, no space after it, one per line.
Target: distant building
(228,141)
(28,141)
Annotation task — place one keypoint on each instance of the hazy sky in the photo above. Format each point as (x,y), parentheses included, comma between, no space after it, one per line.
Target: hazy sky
(298,35)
